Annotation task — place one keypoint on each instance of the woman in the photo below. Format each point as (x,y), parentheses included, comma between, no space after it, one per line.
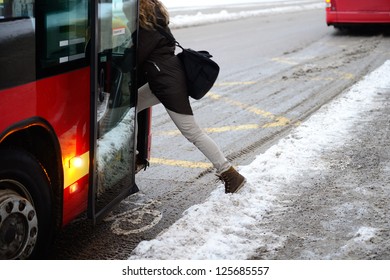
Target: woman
(166,84)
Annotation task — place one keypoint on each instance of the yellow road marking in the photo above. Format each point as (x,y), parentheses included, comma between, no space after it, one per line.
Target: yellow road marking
(214,129)
(343,75)
(277,120)
(181,163)
(234,83)
(232,128)
(221,129)
(284,61)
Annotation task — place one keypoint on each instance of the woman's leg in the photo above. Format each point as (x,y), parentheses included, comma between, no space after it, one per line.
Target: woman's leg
(146,98)
(191,130)
(188,127)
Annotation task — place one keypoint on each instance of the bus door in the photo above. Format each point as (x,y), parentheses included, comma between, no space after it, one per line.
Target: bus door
(113,90)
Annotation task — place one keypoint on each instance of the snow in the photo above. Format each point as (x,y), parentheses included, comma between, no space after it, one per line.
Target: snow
(267,7)
(180,4)
(115,143)
(224,226)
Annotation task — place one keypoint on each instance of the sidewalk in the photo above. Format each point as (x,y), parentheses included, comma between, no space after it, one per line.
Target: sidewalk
(339,207)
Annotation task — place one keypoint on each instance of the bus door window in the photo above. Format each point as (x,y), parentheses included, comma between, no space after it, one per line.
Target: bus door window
(115,99)
(17,42)
(114,83)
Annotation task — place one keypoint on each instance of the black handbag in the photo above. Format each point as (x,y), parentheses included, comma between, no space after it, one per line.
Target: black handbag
(201,71)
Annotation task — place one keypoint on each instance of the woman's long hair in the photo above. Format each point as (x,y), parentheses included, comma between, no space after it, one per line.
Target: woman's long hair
(147,13)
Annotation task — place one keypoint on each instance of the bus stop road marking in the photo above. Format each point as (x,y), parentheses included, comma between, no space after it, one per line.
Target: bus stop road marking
(275,120)
(180,163)
(176,132)
(224,84)
(280,122)
(337,74)
(284,61)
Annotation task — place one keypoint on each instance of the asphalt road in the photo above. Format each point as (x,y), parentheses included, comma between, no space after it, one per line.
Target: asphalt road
(276,70)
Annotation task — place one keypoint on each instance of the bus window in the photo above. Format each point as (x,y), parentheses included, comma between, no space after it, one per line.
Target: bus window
(66,30)
(17,42)
(16,8)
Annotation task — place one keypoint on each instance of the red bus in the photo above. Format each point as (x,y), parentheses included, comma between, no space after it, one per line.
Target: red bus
(347,12)
(67,116)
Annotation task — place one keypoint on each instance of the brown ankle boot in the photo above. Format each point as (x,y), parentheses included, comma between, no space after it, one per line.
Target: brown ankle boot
(232,179)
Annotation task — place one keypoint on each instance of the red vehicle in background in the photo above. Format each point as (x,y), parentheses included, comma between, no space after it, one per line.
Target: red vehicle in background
(350,12)
(67,116)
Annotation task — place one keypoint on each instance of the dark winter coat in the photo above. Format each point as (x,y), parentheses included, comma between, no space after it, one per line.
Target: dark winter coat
(162,69)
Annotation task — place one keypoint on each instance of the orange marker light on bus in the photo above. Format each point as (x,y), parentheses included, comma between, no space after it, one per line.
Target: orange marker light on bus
(76,162)
(73,188)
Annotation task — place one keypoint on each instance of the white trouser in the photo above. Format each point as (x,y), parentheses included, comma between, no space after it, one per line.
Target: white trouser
(189,128)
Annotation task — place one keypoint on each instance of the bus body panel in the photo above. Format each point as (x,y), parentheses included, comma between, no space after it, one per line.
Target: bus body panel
(67,115)
(357,11)
(362,5)
(63,102)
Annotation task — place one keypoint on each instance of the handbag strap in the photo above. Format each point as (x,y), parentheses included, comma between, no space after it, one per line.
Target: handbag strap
(168,36)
